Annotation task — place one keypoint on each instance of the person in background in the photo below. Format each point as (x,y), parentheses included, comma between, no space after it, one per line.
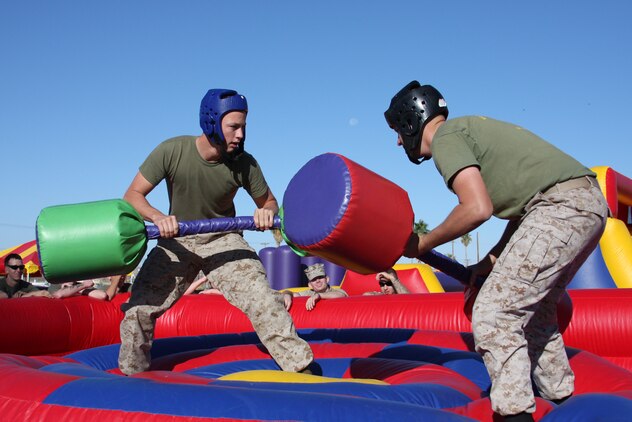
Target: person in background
(118,284)
(13,285)
(83,288)
(389,284)
(319,288)
(555,214)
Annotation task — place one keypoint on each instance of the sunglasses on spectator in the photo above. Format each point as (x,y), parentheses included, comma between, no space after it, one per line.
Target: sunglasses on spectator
(385,283)
(16,267)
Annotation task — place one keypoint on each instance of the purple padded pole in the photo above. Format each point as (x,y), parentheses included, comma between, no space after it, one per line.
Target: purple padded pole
(214,225)
(449,267)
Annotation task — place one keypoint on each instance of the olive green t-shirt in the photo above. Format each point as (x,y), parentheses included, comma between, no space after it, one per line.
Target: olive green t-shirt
(310,292)
(21,287)
(515,164)
(199,189)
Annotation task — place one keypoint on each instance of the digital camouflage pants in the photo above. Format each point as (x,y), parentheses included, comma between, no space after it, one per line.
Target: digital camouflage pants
(514,318)
(235,269)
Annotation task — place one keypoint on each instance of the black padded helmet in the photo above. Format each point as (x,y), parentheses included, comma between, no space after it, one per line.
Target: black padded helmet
(411,108)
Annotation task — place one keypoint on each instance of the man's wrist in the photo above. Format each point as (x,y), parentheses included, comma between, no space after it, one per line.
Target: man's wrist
(422,245)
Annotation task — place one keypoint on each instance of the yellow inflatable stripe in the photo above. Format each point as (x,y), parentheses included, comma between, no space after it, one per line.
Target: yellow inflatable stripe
(29,251)
(432,282)
(300,289)
(296,289)
(601,171)
(291,377)
(616,248)
(24,253)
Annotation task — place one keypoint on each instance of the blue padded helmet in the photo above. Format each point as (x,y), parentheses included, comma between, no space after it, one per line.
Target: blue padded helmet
(215,104)
(409,112)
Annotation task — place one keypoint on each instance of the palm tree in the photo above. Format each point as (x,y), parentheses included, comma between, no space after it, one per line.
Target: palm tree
(466,239)
(420,227)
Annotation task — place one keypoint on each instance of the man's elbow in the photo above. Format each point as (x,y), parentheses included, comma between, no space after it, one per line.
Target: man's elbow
(481,214)
(129,196)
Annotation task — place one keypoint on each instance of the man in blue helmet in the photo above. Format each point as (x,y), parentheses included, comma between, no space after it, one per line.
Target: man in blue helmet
(556,214)
(203,175)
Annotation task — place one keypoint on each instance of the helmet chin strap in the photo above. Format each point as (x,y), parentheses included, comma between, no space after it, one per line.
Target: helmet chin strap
(413,159)
(410,153)
(417,161)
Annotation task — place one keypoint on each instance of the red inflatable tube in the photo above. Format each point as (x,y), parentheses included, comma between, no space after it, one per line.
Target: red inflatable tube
(602,323)
(601,320)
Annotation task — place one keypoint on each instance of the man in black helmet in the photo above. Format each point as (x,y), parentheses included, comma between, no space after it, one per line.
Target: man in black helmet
(203,174)
(556,214)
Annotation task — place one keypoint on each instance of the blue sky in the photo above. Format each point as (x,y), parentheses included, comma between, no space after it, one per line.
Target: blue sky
(89,88)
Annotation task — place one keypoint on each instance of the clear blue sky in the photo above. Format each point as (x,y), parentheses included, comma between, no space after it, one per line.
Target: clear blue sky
(89,88)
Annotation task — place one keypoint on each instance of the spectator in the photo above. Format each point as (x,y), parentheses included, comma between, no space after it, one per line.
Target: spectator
(83,288)
(319,288)
(118,284)
(389,284)
(13,285)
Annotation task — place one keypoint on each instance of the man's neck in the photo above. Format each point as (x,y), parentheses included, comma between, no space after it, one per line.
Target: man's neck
(431,128)
(11,282)
(207,150)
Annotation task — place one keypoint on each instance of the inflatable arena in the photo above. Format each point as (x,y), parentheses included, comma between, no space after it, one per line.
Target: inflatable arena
(397,357)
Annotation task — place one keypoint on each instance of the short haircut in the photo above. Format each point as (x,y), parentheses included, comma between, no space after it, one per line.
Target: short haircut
(392,272)
(10,257)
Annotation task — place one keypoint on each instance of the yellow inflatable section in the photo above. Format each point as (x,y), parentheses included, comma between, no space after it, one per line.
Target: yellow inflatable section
(264,375)
(616,242)
(616,248)
(432,282)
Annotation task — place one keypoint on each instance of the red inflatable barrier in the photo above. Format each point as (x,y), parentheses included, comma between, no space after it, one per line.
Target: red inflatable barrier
(601,320)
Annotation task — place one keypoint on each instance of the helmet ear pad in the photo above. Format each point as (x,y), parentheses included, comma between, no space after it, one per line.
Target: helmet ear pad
(212,133)
(409,126)
(208,123)
(410,123)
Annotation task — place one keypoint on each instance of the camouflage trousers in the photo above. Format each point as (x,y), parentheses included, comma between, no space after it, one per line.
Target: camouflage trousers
(235,269)
(514,319)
